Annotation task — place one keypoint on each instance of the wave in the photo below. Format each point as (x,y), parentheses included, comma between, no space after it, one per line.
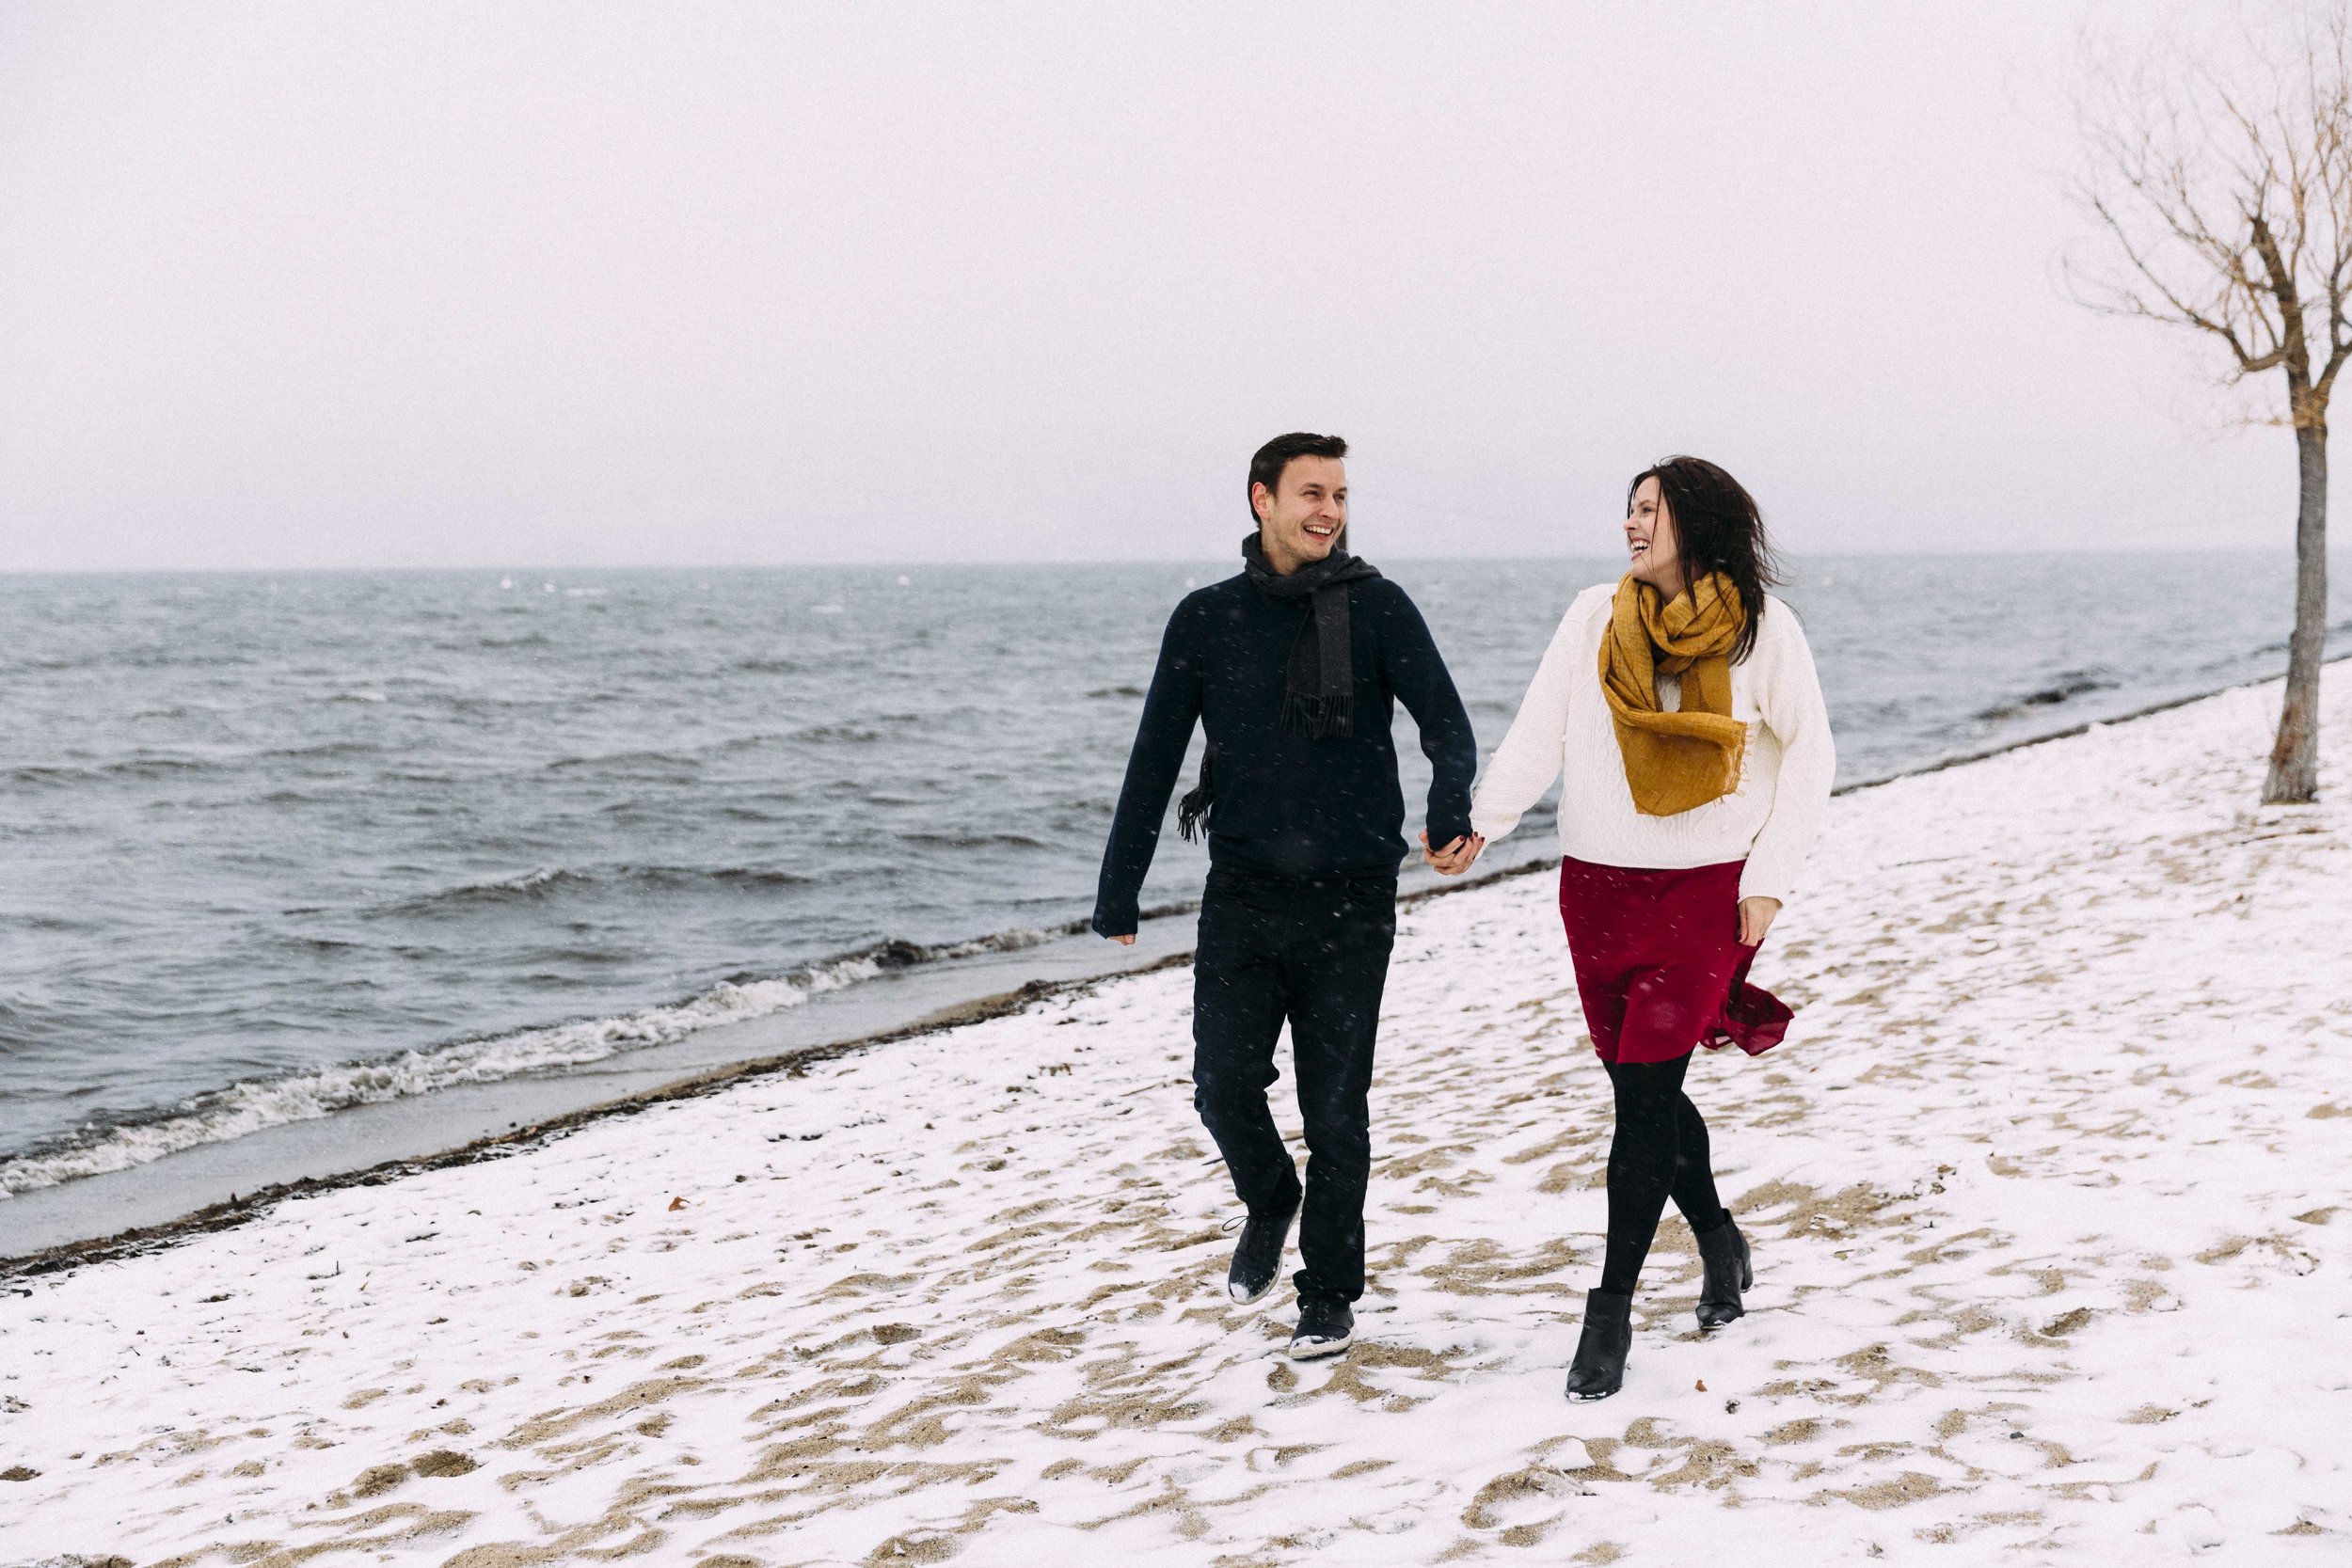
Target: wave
(972,841)
(899,955)
(2066,688)
(150,769)
(622,762)
(2339,629)
(549,882)
(876,727)
(221,1114)
(52,775)
(242,1108)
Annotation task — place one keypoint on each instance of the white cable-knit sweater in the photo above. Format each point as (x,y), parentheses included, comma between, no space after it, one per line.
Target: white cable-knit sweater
(1564,724)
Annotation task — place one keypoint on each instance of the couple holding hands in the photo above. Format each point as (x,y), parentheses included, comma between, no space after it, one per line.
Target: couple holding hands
(1682,707)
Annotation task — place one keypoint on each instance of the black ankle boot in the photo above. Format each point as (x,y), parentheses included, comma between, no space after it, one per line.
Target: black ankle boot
(1723,1254)
(1598,1370)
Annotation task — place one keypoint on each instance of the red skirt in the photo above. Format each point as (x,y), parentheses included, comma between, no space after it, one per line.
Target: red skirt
(1658,963)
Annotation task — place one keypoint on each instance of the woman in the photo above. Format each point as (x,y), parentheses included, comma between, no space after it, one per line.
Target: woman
(1683,707)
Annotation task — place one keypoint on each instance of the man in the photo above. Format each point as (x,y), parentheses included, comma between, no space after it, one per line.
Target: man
(1289,668)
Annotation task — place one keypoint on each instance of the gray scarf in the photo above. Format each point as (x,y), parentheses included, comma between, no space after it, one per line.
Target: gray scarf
(1319,692)
(1319,679)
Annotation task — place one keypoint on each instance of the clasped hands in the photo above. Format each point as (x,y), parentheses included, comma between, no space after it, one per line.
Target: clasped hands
(1455,858)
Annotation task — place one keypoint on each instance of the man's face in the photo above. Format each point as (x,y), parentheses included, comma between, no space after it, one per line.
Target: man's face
(1300,524)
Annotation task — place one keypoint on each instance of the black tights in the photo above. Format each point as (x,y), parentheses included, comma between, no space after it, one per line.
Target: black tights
(1660,1149)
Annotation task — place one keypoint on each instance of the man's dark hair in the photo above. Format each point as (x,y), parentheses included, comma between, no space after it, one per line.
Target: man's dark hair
(1718,528)
(1267,467)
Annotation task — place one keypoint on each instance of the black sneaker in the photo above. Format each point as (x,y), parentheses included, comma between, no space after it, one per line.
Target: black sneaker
(1258,1256)
(1325,1328)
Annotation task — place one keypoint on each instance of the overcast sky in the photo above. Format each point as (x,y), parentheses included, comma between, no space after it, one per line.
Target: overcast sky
(581,283)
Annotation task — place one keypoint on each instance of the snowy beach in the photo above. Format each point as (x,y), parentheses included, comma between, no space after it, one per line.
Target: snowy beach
(2048,1191)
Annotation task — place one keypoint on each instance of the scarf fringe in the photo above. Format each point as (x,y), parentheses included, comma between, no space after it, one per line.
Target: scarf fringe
(1319,717)
(1194,807)
(1189,811)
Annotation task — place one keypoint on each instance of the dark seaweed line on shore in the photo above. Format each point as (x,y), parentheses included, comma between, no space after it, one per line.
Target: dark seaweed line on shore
(246,1207)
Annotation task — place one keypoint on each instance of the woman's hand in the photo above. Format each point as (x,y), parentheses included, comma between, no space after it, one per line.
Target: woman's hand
(1455,858)
(1755,918)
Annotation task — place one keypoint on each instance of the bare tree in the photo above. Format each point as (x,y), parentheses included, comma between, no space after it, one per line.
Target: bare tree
(2219,169)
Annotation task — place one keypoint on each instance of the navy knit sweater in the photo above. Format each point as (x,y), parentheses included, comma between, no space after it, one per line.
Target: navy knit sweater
(1288,806)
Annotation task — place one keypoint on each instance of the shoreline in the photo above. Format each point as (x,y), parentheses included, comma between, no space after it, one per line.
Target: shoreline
(2070,732)
(246,1207)
(585,1107)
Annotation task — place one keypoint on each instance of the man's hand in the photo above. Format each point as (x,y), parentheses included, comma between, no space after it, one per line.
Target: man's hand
(1127,941)
(1455,858)
(1755,918)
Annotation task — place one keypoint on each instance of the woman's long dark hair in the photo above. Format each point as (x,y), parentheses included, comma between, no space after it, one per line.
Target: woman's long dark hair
(1717,528)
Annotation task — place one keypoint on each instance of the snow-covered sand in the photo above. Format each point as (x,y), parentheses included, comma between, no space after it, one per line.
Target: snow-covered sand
(2050,1193)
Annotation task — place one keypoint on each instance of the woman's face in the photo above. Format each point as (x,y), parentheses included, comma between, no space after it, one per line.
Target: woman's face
(1649,539)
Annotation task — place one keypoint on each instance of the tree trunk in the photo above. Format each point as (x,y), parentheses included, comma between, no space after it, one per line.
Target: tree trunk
(2294,758)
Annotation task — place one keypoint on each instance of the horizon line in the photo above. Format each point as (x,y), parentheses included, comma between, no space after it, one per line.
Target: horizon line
(987,564)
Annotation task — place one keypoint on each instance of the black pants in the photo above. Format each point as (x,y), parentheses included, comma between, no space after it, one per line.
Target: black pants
(1314,953)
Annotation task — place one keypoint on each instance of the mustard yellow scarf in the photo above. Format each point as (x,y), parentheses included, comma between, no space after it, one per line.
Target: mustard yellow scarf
(1675,761)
